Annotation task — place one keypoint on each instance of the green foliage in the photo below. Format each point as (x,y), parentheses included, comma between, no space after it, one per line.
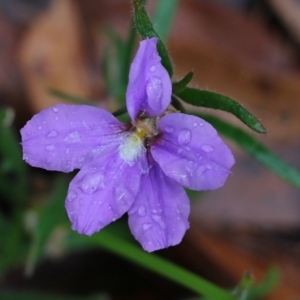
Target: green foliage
(13,170)
(209,99)
(182,83)
(49,218)
(145,28)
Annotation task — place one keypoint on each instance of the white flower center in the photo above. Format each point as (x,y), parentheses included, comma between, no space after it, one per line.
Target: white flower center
(133,146)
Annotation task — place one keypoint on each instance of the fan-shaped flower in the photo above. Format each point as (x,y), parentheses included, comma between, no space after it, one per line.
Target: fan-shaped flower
(138,167)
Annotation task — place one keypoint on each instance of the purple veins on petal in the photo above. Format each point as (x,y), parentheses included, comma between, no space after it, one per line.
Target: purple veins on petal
(192,154)
(81,134)
(101,192)
(158,217)
(149,88)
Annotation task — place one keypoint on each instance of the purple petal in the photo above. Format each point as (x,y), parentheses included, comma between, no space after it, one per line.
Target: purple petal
(158,217)
(190,152)
(102,192)
(64,137)
(149,88)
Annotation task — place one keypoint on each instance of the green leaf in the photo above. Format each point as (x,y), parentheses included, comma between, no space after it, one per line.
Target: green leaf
(70,98)
(242,290)
(13,170)
(177,104)
(266,285)
(182,83)
(152,262)
(213,100)
(120,111)
(163,17)
(146,30)
(255,148)
(52,215)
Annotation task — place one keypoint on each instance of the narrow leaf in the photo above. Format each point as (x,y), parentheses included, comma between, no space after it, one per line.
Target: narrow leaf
(49,218)
(146,30)
(153,262)
(182,83)
(213,100)
(120,111)
(255,148)
(264,287)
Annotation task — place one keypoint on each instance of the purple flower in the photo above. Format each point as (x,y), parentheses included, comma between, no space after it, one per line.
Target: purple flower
(138,167)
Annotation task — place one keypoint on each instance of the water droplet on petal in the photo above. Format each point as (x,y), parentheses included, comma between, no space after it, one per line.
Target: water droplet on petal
(184,137)
(109,207)
(56,118)
(180,150)
(195,124)
(91,183)
(152,68)
(208,166)
(50,147)
(52,134)
(200,124)
(142,211)
(146,226)
(154,90)
(158,219)
(55,109)
(169,129)
(71,196)
(207,148)
(40,128)
(67,151)
(28,132)
(154,211)
(177,210)
(73,137)
(113,219)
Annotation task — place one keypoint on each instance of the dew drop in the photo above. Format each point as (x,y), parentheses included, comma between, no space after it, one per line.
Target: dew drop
(169,129)
(152,68)
(28,132)
(109,207)
(50,147)
(52,134)
(56,118)
(146,226)
(68,150)
(73,137)
(154,211)
(40,128)
(142,211)
(208,166)
(158,219)
(184,137)
(91,183)
(207,148)
(195,124)
(55,109)
(177,210)
(154,90)
(71,196)
(113,219)
(180,150)
(200,124)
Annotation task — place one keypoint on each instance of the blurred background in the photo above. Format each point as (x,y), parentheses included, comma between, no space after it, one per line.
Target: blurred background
(248,50)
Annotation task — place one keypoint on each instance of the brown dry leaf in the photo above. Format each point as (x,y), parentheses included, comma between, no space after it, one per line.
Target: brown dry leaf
(51,56)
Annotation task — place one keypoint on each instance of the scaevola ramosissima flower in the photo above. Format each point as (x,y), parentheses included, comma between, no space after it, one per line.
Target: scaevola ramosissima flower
(139,167)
